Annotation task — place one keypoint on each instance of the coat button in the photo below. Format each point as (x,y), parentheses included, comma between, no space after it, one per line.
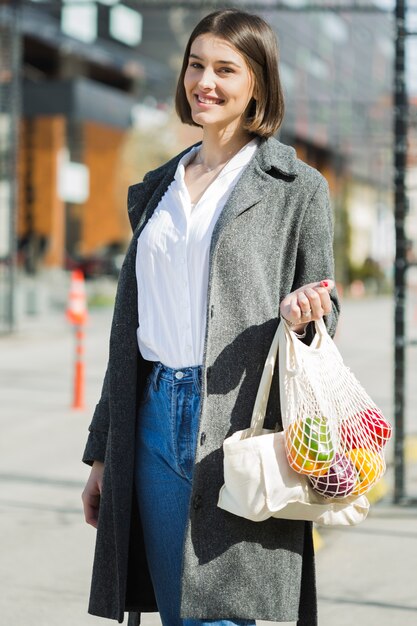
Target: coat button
(212,310)
(203,439)
(197,502)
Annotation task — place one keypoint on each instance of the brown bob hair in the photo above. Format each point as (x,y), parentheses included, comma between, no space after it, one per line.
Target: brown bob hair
(254,39)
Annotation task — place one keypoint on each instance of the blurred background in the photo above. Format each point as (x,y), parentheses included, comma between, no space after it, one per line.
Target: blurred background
(86,109)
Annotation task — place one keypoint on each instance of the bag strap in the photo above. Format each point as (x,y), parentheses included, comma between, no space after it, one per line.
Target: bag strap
(261,401)
(297,348)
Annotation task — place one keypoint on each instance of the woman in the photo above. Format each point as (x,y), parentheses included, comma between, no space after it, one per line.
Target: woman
(228,236)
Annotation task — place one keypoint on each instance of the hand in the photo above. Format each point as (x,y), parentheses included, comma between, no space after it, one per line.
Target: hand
(92,492)
(308,303)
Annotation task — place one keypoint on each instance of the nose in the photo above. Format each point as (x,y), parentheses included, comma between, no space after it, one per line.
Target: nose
(207,79)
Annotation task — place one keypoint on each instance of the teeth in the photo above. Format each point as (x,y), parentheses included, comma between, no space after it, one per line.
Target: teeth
(208,100)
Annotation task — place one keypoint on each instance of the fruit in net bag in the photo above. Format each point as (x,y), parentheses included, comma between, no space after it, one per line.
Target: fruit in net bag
(309,445)
(369,467)
(339,480)
(368,428)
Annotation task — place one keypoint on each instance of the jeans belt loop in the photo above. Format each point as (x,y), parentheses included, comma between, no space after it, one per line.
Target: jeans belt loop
(196,376)
(156,374)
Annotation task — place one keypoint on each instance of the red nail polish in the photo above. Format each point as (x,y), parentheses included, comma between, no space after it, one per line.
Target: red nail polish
(324,283)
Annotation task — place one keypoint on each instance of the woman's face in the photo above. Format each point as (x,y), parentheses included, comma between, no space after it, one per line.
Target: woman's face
(218,83)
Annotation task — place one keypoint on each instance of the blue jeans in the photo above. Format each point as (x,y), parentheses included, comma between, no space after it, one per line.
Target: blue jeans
(166,439)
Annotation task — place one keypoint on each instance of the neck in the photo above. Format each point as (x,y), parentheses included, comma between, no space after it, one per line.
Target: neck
(219,147)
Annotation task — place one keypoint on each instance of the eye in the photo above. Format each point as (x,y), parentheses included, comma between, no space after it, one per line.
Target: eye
(226,70)
(195,65)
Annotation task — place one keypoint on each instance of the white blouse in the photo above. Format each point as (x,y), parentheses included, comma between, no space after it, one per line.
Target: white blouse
(172,265)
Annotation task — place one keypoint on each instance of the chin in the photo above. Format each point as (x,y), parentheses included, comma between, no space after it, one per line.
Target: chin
(200,118)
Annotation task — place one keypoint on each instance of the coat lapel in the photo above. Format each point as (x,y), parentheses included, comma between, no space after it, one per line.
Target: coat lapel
(273,160)
(150,207)
(142,201)
(156,196)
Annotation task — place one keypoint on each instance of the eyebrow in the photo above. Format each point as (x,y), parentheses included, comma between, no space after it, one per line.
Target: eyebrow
(195,56)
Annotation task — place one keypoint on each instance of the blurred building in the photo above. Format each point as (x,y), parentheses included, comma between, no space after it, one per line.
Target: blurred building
(82,74)
(86,66)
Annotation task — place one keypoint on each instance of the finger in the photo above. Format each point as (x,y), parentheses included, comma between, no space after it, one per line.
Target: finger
(90,497)
(91,517)
(304,305)
(289,307)
(327,283)
(91,504)
(294,309)
(315,304)
(284,306)
(92,488)
(326,303)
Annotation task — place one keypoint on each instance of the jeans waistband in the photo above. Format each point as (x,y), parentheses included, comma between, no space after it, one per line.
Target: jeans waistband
(175,375)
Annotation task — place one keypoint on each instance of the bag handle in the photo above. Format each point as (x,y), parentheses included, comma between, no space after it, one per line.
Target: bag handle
(295,348)
(261,400)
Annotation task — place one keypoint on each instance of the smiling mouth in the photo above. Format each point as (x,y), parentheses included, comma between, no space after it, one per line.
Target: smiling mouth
(205,100)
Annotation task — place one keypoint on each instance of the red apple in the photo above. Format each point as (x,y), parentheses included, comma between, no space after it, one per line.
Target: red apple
(366,428)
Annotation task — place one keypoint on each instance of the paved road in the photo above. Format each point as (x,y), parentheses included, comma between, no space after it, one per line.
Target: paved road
(366,575)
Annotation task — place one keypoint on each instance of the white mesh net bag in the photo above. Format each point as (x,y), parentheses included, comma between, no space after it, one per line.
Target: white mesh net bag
(334,432)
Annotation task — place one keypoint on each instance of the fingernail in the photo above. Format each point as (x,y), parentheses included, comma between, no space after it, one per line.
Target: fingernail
(324,283)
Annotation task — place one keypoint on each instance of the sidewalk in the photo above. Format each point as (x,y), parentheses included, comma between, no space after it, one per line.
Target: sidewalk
(366,574)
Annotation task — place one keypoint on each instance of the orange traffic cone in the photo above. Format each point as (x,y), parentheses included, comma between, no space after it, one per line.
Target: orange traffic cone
(77,315)
(77,300)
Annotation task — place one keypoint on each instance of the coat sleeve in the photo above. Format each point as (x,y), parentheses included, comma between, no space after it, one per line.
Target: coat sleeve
(95,449)
(315,260)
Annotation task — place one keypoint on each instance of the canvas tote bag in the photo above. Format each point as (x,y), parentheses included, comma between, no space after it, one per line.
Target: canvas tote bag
(258,480)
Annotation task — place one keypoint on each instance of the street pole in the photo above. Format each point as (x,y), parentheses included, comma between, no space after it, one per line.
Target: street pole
(400,199)
(10,113)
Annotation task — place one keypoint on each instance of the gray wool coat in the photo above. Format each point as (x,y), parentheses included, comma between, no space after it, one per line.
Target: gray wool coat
(273,235)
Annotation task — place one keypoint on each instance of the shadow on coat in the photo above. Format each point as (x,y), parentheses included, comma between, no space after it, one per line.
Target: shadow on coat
(222,530)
